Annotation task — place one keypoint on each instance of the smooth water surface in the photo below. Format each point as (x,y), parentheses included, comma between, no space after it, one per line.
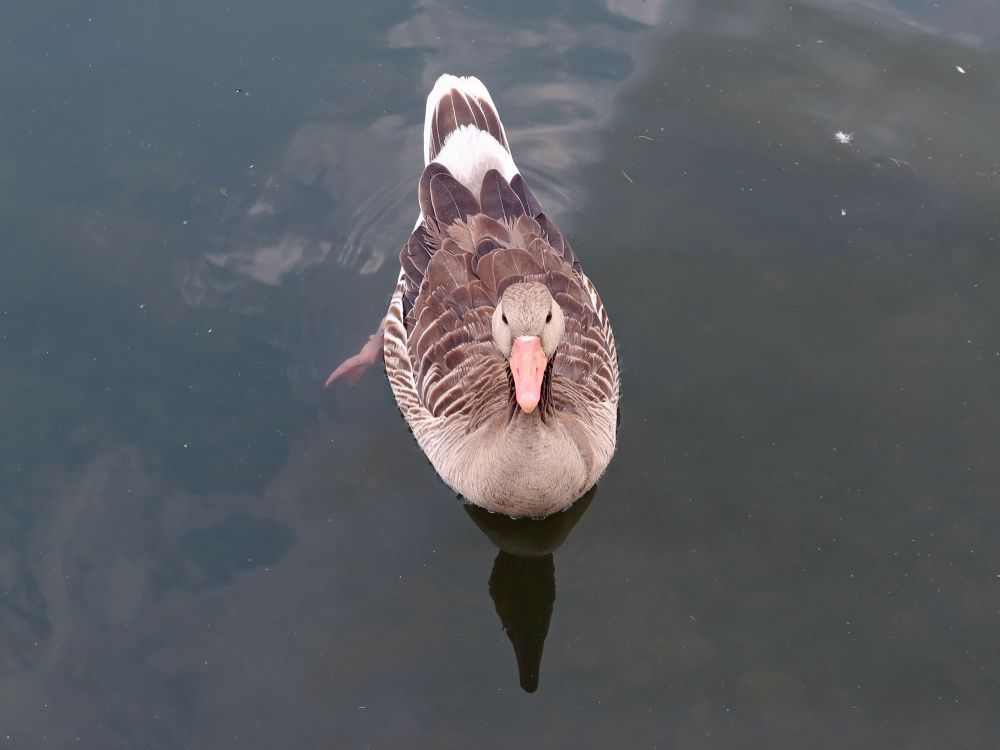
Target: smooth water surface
(796,545)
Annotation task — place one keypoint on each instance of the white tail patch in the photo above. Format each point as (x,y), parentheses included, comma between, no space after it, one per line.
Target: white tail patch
(471,87)
(463,131)
(469,153)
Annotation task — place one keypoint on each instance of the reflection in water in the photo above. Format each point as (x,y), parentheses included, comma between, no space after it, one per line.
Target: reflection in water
(523,581)
(523,589)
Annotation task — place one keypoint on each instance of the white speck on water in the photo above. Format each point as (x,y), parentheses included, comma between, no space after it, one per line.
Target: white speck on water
(960,69)
(841,137)
(843,212)
(184,223)
(186,445)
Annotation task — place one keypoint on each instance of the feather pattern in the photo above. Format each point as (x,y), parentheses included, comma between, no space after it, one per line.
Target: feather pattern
(480,233)
(457,102)
(498,200)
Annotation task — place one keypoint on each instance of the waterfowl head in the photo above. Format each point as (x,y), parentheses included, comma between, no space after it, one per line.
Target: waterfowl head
(528,325)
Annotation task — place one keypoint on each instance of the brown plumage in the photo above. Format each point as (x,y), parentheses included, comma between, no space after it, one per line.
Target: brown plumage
(482,241)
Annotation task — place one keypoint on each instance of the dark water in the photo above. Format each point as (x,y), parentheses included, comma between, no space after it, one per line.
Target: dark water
(796,546)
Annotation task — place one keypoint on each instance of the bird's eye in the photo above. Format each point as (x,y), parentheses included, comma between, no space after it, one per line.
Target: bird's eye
(548,318)
(503,317)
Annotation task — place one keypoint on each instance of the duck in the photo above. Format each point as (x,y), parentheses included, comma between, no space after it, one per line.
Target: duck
(496,344)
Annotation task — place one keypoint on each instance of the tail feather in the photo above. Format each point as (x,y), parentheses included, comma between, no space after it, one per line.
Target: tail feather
(455,102)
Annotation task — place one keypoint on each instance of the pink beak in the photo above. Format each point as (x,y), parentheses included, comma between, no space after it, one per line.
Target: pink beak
(527,365)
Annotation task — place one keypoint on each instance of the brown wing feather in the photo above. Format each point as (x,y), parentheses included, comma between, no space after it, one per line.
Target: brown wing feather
(456,266)
(558,241)
(451,201)
(414,257)
(498,200)
(431,171)
(528,198)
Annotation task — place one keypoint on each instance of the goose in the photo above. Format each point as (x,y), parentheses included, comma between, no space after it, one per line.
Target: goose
(496,345)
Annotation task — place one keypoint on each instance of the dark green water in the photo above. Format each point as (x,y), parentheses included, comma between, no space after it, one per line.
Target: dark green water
(796,545)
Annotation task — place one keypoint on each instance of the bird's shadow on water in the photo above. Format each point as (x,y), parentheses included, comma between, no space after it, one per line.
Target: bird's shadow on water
(523,581)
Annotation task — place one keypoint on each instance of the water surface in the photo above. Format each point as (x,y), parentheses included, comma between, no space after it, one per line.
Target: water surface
(796,543)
